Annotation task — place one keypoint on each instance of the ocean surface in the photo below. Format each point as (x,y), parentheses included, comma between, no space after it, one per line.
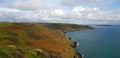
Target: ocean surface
(101,42)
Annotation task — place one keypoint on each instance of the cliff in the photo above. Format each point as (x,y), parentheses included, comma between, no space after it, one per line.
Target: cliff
(37,40)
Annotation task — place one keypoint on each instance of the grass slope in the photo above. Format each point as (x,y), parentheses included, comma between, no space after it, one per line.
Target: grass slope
(34,40)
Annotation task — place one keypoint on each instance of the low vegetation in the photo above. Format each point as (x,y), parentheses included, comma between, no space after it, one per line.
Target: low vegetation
(36,40)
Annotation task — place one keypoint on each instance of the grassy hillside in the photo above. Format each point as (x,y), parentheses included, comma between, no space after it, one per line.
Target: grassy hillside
(34,40)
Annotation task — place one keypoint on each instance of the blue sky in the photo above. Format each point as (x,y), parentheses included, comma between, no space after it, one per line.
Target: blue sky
(61,11)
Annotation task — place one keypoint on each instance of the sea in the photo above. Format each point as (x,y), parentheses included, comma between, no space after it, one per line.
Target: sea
(100,42)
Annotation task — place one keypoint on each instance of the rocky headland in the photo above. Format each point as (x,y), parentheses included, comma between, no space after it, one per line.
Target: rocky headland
(38,40)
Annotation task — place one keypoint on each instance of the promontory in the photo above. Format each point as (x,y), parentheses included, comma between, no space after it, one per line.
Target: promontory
(37,40)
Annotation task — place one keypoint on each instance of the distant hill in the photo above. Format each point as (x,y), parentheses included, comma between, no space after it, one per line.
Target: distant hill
(36,40)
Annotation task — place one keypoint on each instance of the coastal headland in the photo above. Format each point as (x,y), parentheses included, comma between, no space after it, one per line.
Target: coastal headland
(38,40)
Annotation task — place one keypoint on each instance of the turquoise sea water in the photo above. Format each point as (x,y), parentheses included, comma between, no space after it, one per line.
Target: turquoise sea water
(101,42)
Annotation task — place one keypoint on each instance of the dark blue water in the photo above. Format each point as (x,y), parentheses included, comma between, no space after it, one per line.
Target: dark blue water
(101,42)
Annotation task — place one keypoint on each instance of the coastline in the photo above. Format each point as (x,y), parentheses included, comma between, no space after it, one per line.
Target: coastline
(64,28)
(57,45)
(75,44)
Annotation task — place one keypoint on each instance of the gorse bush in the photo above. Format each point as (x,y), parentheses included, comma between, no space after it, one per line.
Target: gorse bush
(9,36)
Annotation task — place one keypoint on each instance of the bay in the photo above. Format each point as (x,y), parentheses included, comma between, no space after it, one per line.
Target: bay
(100,42)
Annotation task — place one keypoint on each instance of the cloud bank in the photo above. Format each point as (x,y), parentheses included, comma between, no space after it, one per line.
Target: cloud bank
(41,11)
(28,4)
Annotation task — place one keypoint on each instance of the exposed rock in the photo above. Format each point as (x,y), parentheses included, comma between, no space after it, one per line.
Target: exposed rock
(70,38)
(12,46)
(77,55)
(39,52)
(74,44)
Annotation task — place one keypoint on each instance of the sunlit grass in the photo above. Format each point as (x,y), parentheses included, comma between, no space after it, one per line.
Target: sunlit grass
(30,36)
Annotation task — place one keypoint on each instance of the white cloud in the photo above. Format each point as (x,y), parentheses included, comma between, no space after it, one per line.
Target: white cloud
(95,13)
(29,4)
(58,12)
(68,11)
(88,13)
(79,15)
(87,2)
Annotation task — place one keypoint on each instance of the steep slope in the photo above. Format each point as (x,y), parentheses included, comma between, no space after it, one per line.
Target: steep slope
(34,40)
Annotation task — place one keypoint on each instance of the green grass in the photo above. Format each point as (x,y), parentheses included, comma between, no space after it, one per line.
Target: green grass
(4,25)
(6,49)
(29,55)
(21,35)
(10,50)
(1,56)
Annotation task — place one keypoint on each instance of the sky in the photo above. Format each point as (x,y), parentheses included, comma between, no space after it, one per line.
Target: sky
(61,11)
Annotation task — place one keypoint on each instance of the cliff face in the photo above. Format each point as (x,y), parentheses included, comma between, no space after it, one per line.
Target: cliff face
(66,27)
(34,40)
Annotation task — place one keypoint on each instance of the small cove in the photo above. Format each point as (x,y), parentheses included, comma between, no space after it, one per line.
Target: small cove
(101,42)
